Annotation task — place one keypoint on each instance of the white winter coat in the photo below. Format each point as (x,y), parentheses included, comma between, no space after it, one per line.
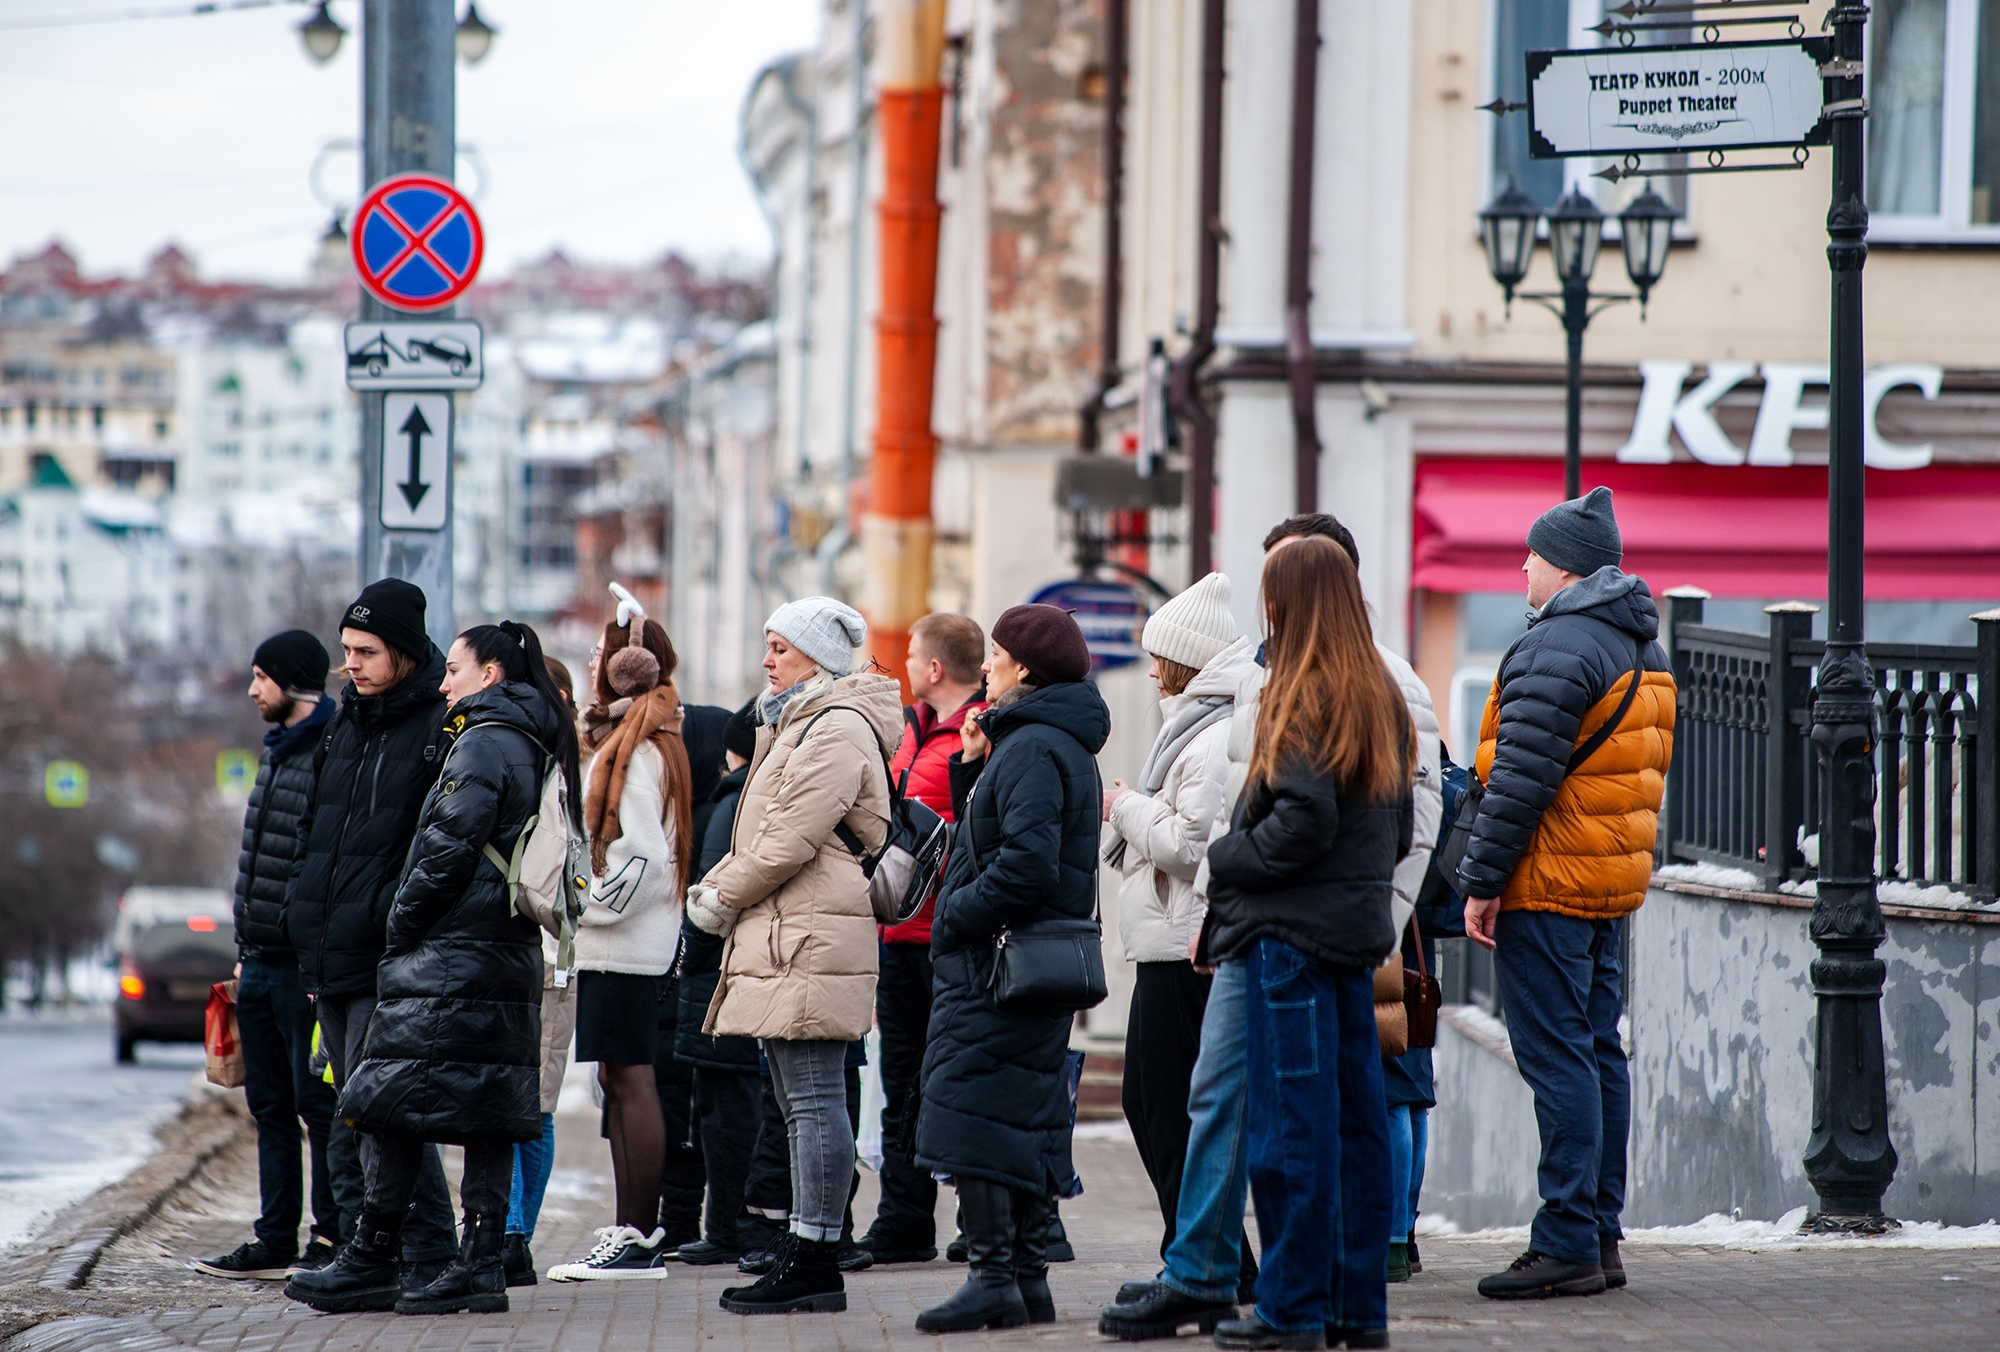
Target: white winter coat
(1427,791)
(633,920)
(1166,834)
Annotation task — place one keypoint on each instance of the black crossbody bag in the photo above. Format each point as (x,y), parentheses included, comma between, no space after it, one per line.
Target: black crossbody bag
(1451,852)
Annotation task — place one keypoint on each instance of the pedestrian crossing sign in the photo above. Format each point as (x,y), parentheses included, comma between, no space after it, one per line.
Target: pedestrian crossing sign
(66,784)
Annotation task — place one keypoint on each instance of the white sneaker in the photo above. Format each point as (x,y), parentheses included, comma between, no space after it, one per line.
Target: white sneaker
(622,1252)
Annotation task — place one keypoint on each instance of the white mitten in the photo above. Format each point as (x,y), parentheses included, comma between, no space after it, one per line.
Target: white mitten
(710,913)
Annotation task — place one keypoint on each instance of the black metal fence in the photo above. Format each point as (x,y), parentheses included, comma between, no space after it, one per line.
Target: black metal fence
(1744,790)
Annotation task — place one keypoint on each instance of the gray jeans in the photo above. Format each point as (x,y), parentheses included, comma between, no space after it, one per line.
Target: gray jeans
(428,1235)
(811,1088)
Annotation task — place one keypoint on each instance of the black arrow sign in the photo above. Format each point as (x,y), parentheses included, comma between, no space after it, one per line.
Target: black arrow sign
(416,429)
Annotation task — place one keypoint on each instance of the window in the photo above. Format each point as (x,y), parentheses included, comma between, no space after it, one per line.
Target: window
(1934,120)
(1517,27)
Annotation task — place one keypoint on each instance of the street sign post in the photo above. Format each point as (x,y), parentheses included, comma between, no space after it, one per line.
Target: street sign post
(416,242)
(416,461)
(414,354)
(1671,100)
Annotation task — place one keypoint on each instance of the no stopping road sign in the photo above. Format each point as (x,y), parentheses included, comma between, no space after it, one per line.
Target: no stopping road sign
(416,242)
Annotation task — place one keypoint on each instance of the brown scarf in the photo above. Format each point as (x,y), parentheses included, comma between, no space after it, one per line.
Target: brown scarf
(614,738)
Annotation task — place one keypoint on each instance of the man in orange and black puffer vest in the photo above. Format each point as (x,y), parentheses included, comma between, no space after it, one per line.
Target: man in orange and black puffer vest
(1560,854)
(945,653)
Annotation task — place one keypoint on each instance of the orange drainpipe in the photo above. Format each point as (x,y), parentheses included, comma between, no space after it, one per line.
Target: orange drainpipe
(896,527)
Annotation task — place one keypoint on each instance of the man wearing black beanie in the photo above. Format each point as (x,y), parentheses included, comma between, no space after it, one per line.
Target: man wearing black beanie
(378,760)
(288,685)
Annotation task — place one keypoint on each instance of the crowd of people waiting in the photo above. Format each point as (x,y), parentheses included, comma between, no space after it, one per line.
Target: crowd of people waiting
(1285,854)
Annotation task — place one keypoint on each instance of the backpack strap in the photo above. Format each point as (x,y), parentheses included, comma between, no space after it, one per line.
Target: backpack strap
(510,866)
(1603,734)
(845,833)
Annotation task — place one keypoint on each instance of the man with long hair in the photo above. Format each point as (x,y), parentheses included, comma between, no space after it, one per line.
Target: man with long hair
(1573,754)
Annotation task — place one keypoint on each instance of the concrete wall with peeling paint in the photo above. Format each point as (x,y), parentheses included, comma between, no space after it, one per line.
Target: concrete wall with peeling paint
(1722,1018)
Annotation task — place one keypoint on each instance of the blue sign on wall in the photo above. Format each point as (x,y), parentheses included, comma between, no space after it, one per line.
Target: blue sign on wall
(1111,615)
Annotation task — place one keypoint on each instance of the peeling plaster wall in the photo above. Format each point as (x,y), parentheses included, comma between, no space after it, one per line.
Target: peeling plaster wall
(1722,1016)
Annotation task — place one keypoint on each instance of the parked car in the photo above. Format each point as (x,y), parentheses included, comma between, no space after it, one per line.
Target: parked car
(454,354)
(173,945)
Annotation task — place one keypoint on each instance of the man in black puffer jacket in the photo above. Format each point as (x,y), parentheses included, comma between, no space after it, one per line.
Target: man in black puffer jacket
(380,757)
(288,685)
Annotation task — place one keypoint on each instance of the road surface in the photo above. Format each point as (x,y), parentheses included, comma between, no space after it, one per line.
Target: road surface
(71,1119)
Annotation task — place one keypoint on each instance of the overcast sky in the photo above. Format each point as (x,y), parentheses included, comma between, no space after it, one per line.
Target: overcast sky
(608,128)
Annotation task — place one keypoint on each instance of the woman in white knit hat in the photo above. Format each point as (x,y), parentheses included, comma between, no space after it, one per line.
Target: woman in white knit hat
(798,970)
(1158,837)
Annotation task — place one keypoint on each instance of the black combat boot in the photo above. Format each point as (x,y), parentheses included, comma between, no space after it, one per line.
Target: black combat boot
(519,1261)
(475,1281)
(364,1275)
(990,1298)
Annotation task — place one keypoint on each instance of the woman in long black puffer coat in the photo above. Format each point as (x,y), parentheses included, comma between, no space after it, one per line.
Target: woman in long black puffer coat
(996,1112)
(454,1046)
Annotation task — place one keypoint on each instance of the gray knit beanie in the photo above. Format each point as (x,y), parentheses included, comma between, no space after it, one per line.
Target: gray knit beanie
(1579,536)
(822,628)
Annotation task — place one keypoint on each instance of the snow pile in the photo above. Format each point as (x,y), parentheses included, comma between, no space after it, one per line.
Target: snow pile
(1733,1232)
(1711,875)
(1894,892)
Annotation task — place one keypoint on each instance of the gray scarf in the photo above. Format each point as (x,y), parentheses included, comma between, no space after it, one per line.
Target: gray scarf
(771,706)
(1187,725)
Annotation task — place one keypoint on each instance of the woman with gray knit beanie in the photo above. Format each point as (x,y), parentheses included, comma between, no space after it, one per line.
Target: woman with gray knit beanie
(798,970)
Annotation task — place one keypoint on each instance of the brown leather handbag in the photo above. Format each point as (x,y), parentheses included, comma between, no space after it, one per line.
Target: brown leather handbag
(1422,997)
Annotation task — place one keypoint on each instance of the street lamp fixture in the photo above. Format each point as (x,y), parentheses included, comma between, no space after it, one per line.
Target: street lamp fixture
(321,34)
(475,36)
(1646,229)
(1576,229)
(1507,229)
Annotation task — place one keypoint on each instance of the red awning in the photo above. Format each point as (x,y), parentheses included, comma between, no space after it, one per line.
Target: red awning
(1932,534)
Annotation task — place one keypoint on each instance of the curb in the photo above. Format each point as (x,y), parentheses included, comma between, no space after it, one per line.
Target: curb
(94,1333)
(124,1206)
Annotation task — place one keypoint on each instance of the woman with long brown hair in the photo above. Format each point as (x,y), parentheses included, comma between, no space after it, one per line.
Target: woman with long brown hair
(1300,890)
(638,811)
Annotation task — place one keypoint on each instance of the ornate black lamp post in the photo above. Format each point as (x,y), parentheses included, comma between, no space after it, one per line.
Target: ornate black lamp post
(1576,230)
(1849,1159)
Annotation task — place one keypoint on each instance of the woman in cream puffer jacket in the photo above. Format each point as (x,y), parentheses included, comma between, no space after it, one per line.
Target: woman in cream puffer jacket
(1157,836)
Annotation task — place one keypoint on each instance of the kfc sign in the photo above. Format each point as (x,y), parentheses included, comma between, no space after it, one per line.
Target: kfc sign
(1665,408)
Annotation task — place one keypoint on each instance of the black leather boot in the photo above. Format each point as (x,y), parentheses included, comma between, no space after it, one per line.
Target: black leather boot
(475,1281)
(806,1279)
(519,1261)
(990,1298)
(364,1275)
(1032,1216)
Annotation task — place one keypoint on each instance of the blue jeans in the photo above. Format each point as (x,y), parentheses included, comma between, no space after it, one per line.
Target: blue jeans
(534,1161)
(1319,1143)
(810,1081)
(275,1022)
(1409,1136)
(1205,1260)
(1560,981)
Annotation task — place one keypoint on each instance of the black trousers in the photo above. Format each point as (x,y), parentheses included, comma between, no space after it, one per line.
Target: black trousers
(729,1107)
(908,1213)
(1162,1040)
(428,1234)
(276,1023)
(681,1172)
(767,1191)
(398,1160)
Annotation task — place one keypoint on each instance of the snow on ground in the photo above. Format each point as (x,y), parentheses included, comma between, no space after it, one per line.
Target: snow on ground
(1732,1232)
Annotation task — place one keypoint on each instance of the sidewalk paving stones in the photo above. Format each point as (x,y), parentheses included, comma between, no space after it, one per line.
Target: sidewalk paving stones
(140,1298)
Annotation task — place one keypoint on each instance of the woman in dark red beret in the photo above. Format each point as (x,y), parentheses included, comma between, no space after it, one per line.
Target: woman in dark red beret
(995,1111)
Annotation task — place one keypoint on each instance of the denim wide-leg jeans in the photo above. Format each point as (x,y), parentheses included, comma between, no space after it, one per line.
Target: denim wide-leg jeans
(1319,1143)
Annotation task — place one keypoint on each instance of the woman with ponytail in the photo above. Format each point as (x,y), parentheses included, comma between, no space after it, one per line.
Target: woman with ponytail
(638,809)
(453,1048)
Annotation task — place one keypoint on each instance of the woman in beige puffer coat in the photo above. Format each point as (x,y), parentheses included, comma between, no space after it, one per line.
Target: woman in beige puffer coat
(799,968)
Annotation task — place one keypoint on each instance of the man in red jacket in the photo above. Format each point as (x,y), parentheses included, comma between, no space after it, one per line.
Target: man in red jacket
(945,656)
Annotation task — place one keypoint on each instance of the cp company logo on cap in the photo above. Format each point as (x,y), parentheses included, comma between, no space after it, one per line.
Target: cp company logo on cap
(358,613)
